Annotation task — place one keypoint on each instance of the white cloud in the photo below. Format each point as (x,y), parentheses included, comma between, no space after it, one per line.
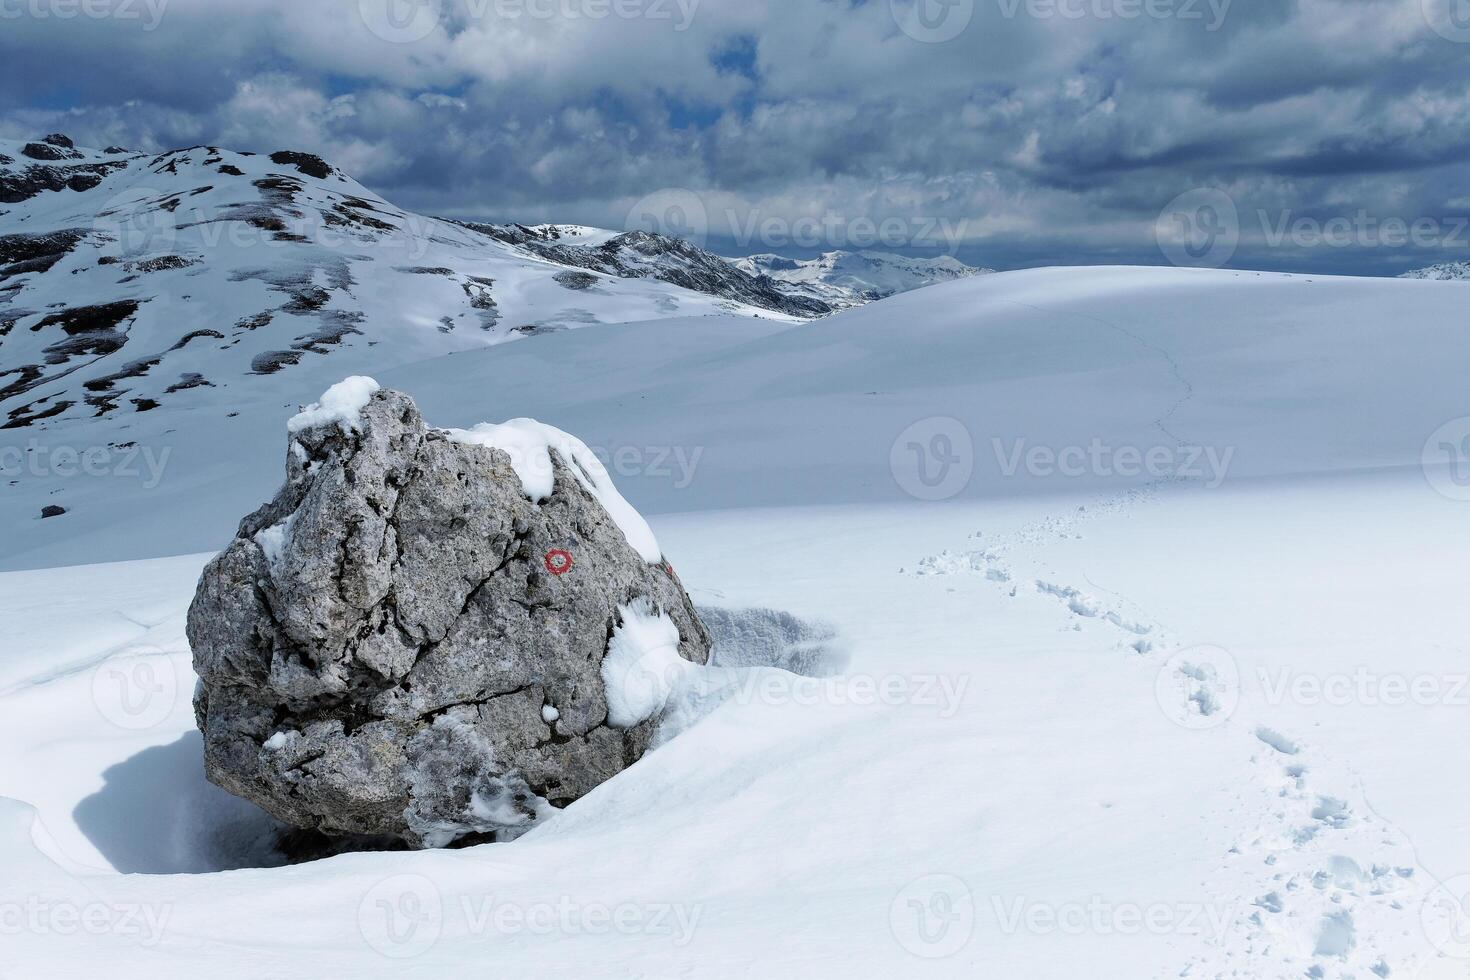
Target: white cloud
(1023,127)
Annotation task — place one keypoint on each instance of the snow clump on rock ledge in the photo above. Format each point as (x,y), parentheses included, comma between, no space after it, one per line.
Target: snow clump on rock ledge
(410,640)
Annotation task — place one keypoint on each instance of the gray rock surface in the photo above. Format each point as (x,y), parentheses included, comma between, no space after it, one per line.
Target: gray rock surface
(382,644)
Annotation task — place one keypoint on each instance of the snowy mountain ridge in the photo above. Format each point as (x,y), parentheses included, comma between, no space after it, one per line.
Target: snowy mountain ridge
(846,279)
(1441,271)
(642,254)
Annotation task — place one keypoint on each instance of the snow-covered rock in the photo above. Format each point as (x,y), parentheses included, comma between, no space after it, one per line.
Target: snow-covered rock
(409,640)
(1444,270)
(845,279)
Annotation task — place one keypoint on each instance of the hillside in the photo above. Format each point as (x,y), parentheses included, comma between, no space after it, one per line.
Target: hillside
(203,276)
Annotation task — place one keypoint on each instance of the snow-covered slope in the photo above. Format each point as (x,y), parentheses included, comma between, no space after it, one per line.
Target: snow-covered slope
(811,413)
(191,278)
(1089,718)
(1444,270)
(845,279)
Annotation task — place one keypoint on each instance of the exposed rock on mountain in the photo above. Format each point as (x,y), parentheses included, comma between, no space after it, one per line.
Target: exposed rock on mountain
(576,280)
(643,255)
(52,164)
(308,163)
(433,635)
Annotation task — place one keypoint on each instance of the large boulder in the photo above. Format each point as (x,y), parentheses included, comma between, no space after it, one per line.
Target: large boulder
(412,639)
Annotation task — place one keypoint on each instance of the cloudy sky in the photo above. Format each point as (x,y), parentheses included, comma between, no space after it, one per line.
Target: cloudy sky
(1314,135)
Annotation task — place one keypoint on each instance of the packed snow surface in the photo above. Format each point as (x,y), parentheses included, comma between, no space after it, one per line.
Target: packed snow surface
(1149,585)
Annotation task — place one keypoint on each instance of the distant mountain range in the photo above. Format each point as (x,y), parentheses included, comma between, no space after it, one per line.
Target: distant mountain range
(1445,270)
(847,279)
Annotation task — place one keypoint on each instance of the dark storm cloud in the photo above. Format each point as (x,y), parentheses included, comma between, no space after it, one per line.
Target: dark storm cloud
(1042,130)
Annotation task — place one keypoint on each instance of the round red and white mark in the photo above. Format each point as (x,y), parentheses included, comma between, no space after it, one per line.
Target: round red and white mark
(559,562)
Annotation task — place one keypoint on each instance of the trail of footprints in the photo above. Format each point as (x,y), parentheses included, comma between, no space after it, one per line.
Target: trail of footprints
(1320,887)
(1333,889)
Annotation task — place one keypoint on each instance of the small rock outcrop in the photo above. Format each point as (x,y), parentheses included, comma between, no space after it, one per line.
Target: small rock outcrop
(409,640)
(308,163)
